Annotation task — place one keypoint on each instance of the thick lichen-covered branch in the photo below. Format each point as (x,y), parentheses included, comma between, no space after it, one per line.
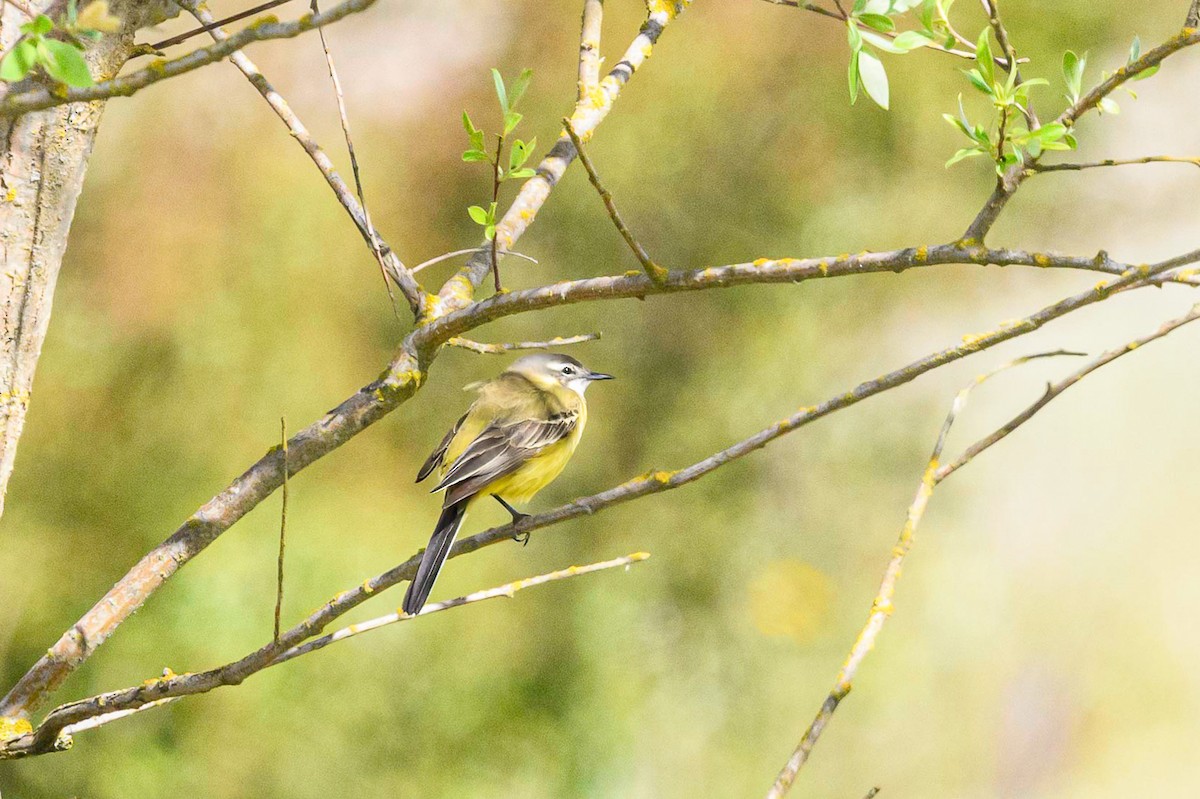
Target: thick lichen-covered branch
(267,28)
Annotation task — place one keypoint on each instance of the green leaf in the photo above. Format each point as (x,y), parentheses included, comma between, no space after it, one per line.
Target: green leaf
(853,77)
(517,90)
(874,78)
(501,95)
(478,215)
(854,36)
(978,82)
(1145,73)
(38,26)
(19,61)
(489,232)
(520,153)
(1052,131)
(468,125)
(1135,49)
(968,152)
(911,40)
(1072,68)
(984,59)
(511,120)
(1108,106)
(1070,141)
(475,155)
(64,62)
(522,173)
(958,123)
(878,21)
(882,42)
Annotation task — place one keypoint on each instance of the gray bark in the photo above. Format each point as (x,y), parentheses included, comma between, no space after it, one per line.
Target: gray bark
(43,160)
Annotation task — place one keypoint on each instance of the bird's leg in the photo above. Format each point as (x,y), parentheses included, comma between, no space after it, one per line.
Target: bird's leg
(517,516)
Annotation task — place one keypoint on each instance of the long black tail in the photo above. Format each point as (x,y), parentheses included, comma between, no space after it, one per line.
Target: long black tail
(435,555)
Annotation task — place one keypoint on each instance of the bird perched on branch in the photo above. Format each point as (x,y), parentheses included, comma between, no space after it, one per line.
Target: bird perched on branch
(513,441)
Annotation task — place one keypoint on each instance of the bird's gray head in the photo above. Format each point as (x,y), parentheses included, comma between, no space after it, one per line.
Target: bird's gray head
(551,369)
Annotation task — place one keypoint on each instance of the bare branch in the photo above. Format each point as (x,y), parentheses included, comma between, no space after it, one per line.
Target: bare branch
(1193,16)
(388,259)
(589,47)
(40,97)
(653,271)
(1150,159)
(282,528)
(508,591)
(1057,388)
(372,238)
(448,255)
(53,734)
(882,606)
(500,349)
(183,37)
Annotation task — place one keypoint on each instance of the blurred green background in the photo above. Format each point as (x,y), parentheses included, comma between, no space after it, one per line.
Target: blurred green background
(1044,641)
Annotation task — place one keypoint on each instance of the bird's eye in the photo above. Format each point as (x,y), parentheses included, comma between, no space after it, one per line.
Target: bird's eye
(567,370)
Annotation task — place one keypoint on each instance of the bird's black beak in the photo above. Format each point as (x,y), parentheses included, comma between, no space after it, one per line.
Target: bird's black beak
(599,376)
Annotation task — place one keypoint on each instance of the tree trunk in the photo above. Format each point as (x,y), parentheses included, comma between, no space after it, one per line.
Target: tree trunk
(43,159)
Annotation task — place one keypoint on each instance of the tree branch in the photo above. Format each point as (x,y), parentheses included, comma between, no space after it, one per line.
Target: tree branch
(588,114)
(1149,159)
(653,271)
(40,97)
(1012,179)
(53,734)
(935,473)
(499,349)
(589,47)
(389,262)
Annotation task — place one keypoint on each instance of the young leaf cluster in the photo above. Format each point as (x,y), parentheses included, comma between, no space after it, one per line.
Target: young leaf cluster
(871,29)
(512,168)
(1006,139)
(59,58)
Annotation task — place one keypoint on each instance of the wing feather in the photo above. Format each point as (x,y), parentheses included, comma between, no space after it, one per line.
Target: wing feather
(435,459)
(500,450)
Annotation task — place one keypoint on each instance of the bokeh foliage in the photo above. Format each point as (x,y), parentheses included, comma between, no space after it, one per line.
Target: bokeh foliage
(212,284)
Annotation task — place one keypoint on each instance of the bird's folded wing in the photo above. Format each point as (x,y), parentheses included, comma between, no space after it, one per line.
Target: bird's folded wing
(439,454)
(500,450)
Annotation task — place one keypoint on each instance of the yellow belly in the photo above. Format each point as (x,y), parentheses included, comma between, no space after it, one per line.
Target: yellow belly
(535,474)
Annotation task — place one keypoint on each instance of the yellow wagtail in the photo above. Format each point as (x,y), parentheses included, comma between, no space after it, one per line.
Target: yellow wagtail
(512,442)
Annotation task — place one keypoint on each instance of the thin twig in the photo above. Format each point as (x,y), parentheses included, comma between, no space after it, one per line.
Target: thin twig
(1058,387)
(1150,159)
(282,528)
(935,474)
(40,97)
(22,7)
(1010,56)
(448,255)
(457,292)
(183,37)
(499,349)
(508,591)
(495,203)
(655,272)
(372,238)
(395,268)
(589,47)
(882,606)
